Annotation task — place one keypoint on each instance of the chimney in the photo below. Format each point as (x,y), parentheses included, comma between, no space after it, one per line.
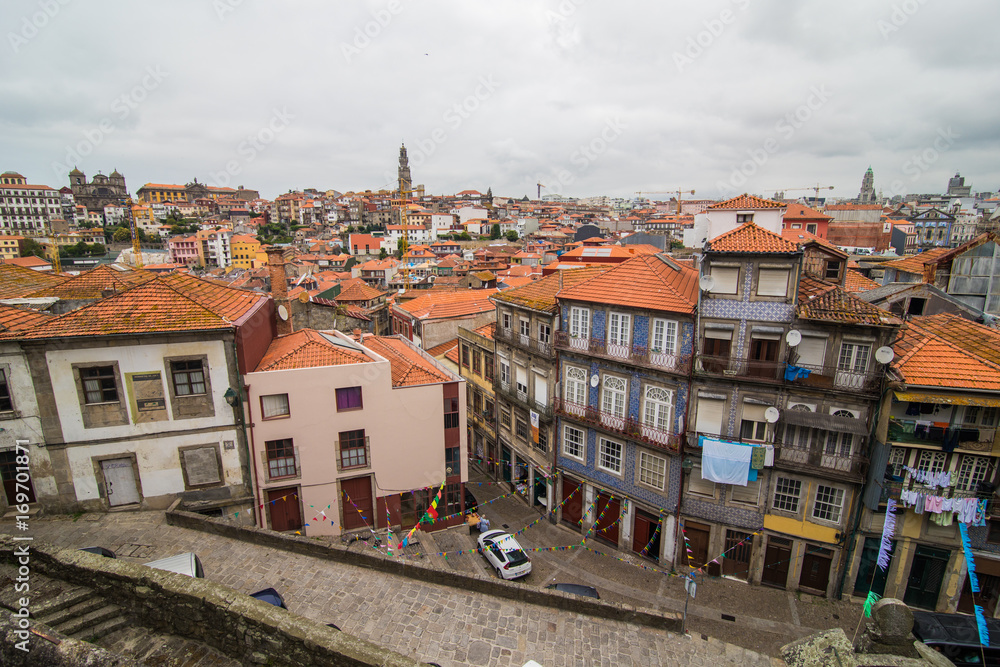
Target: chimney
(279,288)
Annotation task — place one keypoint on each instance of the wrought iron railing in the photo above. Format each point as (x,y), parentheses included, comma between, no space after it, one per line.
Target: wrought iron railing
(819,456)
(525,342)
(920,432)
(629,427)
(634,354)
(807,375)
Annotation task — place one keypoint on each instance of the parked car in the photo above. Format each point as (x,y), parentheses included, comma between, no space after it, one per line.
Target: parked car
(186,563)
(956,636)
(270,596)
(505,554)
(471,504)
(100,551)
(576,589)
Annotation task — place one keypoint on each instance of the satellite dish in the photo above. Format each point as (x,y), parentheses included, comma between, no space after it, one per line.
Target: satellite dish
(793,338)
(304,297)
(771,414)
(706,283)
(282,312)
(595,379)
(884,355)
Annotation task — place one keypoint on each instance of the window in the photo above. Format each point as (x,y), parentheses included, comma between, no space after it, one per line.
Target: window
(453,459)
(576,386)
(451,419)
(656,410)
(609,455)
(753,425)
(99,385)
(505,419)
(525,328)
(504,372)
(699,485)
(613,397)
(726,279)
(189,377)
(505,321)
(772,282)
(972,471)
(573,442)
(521,429)
(544,333)
(619,329)
(349,398)
(541,391)
(709,415)
(465,356)
(786,494)
(832,270)
(743,218)
(477,362)
(931,461)
(280,458)
(897,459)
(6,404)
(488,366)
(543,440)
(452,498)
(274,405)
(829,503)
(853,357)
(664,337)
(579,322)
(652,470)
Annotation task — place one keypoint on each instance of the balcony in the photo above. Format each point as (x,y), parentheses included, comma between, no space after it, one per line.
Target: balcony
(628,427)
(483,419)
(774,372)
(632,354)
(513,393)
(525,342)
(911,431)
(807,459)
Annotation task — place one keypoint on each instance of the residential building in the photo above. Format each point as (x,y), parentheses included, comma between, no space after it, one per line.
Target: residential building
(183,250)
(477,365)
(625,343)
(940,418)
(357,295)
(184,194)
(10,246)
(933,227)
(214,247)
(801,217)
(434,317)
(728,215)
(314,393)
(378,273)
(247,253)
(27,209)
(361,245)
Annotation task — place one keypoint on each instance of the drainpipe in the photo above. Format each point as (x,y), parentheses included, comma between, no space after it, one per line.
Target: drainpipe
(251,460)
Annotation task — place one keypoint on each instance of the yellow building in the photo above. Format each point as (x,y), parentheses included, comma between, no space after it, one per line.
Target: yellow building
(10,247)
(246,252)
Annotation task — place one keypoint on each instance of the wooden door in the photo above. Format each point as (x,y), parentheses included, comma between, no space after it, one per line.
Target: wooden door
(816,569)
(119,482)
(358,505)
(776,560)
(763,355)
(716,352)
(572,510)
(645,537)
(283,506)
(926,575)
(697,536)
(737,559)
(8,473)
(609,511)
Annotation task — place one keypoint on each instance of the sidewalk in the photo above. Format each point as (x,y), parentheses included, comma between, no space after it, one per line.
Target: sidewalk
(762,618)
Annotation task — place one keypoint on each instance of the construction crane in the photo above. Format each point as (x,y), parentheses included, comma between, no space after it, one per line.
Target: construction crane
(669,192)
(54,251)
(540,186)
(815,188)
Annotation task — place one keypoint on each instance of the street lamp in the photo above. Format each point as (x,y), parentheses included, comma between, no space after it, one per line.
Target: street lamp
(231,397)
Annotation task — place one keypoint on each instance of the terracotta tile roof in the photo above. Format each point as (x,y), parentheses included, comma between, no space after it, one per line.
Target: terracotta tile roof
(916,263)
(308,348)
(518,281)
(28,261)
(452,355)
(228,302)
(486,330)
(541,294)
(853,207)
(858,282)
(802,212)
(926,358)
(17,319)
(443,348)
(745,201)
(836,305)
(485,276)
(810,287)
(357,290)
(94,284)
(750,238)
(442,305)
(803,237)
(641,282)
(409,366)
(17,281)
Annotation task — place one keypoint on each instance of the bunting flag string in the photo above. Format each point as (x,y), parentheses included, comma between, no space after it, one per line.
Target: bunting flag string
(596,523)
(872,598)
(406,540)
(984,634)
(651,539)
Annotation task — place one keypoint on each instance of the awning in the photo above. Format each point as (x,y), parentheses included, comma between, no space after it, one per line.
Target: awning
(823,421)
(950,399)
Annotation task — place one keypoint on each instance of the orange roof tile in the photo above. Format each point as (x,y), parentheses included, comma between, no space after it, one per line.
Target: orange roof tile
(409,366)
(646,281)
(17,319)
(357,290)
(803,237)
(308,348)
(916,263)
(541,294)
(96,283)
(486,330)
(452,355)
(750,238)
(746,201)
(443,348)
(229,302)
(28,261)
(925,358)
(858,282)
(442,305)
(17,281)
(976,338)
(836,305)
(802,212)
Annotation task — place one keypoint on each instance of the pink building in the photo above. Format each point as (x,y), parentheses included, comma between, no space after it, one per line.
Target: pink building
(183,250)
(344,431)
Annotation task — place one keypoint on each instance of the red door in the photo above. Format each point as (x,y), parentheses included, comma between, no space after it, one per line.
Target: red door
(358,506)
(283,505)
(572,511)
(609,511)
(697,537)
(646,539)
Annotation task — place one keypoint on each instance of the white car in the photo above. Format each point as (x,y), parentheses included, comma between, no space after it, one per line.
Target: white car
(504,554)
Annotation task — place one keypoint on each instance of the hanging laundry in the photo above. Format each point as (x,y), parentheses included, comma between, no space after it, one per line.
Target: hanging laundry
(769,456)
(757,458)
(724,462)
(795,372)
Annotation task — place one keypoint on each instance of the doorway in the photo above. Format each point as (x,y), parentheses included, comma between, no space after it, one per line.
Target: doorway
(815,574)
(697,537)
(776,559)
(284,509)
(358,506)
(119,482)
(926,575)
(505,462)
(609,510)
(736,562)
(8,473)
(572,509)
(870,576)
(763,358)
(646,537)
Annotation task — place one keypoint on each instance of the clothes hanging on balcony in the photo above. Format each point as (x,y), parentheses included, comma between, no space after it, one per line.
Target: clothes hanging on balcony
(944,518)
(725,462)
(941,479)
(768,456)
(950,441)
(795,372)
(757,459)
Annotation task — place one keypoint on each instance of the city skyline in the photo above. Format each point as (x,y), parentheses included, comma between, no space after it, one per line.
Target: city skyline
(721,98)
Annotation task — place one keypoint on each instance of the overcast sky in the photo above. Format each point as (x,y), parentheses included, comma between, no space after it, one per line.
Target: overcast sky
(587,97)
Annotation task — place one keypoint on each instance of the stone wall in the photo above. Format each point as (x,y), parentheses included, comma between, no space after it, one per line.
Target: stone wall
(53,651)
(243,628)
(405,568)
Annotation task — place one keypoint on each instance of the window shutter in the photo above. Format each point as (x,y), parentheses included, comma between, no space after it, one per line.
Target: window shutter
(709,420)
(753,412)
(522,376)
(726,279)
(541,390)
(811,351)
(772,282)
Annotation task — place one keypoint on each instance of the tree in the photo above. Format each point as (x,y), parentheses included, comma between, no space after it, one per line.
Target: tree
(382,254)
(32,248)
(121,235)
(511,235)
(495,231)
(464,236)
